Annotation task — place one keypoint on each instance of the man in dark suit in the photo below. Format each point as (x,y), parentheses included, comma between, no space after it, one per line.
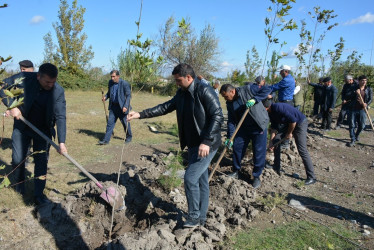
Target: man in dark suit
(329,100)
(44,106)
(119,94)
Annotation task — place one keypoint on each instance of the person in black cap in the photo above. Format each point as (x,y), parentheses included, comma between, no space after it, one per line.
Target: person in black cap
(26,66)
(329,100)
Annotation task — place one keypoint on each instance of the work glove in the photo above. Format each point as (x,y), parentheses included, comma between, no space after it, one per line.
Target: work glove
(250,103)
(228,143)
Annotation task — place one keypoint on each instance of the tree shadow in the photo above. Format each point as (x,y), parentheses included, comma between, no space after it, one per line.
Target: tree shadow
(6,143)
(333,210)
(97,135)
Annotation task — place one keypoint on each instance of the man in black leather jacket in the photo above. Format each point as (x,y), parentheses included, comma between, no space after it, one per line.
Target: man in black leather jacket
(199,117)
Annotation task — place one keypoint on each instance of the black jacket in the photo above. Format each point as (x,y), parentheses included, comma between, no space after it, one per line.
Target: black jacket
(56,107)
(124,94)
(348,94)
(207,113)
(330,95)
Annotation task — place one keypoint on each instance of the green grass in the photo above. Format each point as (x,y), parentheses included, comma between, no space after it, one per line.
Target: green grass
(270,201)
(86,125)
(296,235)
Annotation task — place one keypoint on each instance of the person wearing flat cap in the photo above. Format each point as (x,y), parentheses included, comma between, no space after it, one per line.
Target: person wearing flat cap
(26,66)
(329,100)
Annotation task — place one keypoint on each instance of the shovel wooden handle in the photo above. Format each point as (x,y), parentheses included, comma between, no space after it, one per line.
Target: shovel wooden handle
(64,154)
(231,140)
(366,111)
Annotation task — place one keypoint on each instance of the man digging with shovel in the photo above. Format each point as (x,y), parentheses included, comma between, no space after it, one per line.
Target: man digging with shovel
(44,106)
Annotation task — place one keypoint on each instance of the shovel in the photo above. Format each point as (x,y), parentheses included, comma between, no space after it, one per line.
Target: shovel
(105,110)
(231,140)
(111,194)
(367,113)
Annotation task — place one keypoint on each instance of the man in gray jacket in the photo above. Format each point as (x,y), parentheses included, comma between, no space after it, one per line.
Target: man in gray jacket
(254,127)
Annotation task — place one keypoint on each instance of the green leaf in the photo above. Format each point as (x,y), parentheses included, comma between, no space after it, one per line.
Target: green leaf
(5,183)
(18,80)
(330,246)
(2,167)
(8,93)
(16,103)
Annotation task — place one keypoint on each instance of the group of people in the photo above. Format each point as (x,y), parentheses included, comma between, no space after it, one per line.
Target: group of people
(199,118)
(356,96)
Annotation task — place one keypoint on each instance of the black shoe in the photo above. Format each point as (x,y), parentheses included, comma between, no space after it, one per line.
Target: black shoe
(351,144)
(310,181)
(191,223)
(326,130)
(357,138)
(128,140)
(256,183)
(103,142)
(234,174)
(337,127)
(41,200)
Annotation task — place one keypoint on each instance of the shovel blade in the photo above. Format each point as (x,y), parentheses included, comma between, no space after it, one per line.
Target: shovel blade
(113,196)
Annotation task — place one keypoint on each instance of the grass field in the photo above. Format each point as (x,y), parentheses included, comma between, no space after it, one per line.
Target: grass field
(86,126)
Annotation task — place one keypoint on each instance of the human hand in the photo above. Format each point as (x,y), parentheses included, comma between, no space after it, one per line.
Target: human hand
(250,103)
(103,99)
(62,148)
(124,110)
(133,115)
(270,146)
(330,109)
(203,150)
(228,143)
(288,136)
(14,112)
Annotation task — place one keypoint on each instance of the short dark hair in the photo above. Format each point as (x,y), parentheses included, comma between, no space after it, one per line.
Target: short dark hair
(362,77)
(183,69)
(267,102)
(115,72)
(48,69)
(226,87)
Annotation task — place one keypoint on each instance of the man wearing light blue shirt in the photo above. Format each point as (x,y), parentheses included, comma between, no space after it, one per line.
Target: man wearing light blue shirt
(286,86)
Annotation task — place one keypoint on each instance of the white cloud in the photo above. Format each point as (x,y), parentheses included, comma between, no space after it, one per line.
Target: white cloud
(225,64)
(367,18)
(37,19)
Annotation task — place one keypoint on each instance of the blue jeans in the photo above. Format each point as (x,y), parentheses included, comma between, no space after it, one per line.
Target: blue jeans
(356,117)
(196,183)
(115,112)
(241,142)
(21,141)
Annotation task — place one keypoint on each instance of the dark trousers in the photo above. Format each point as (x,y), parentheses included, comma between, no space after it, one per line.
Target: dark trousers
(115,112)
(342,114)
(299,134)
(21,141)
(317,108)
(326,119)
(357,121)
(240,145)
